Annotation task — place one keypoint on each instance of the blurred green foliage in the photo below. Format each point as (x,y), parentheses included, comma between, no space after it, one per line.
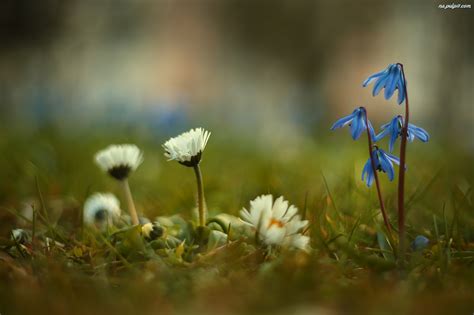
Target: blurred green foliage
(350,270)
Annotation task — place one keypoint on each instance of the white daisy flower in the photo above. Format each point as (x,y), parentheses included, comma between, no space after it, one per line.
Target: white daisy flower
(187,147)
(187,150)
(276,223)
(101,209)
(119,160)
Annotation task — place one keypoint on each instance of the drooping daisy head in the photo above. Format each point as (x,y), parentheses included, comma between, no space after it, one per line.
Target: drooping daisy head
(276,223)
(187,147)
(101,210)
(119,160)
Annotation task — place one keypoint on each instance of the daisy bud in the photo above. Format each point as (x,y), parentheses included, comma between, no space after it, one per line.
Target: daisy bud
(152,231)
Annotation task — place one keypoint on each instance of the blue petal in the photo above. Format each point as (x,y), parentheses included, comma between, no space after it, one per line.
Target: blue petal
(382,134)
(372,131)
(379,85)
(401,90)
(384,126)
(393,139)
(411,136)
(393,158)
(391,83)
(395,130)
(358,126)
(418,132)
(366,168)
(373,77)
(386,165)
(370,177)
(342,121)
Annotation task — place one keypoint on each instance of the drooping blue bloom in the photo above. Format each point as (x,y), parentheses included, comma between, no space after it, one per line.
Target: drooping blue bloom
(417,132)
(394,129)
(419,243)
(391,79)
(383,162)
(356,121)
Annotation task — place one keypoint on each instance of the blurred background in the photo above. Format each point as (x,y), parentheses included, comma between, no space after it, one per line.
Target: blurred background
(264,76)
(263,68)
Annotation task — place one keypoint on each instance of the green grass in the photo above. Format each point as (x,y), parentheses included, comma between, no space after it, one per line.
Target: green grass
(350,270)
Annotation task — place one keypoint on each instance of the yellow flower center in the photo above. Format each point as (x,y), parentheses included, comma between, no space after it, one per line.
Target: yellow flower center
(276,222)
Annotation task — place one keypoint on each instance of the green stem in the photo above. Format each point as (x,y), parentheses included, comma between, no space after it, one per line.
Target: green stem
(131,204)
(201,201)
(401,175)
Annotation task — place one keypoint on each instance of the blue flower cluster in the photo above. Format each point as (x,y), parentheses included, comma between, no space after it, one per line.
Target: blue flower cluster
(394,129)
(383,162)
(389,79)
(356,121)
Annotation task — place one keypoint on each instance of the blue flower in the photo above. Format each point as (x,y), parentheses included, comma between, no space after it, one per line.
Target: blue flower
(383,162)
(420,242)
(391,79)
(356,121)
(394,129)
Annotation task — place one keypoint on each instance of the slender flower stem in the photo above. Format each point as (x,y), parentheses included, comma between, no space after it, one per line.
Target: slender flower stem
(201,201)
(377,183)
(401,174)
(33,229)
(131,204)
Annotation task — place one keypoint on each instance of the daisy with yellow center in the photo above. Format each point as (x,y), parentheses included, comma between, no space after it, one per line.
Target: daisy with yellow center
(276,223)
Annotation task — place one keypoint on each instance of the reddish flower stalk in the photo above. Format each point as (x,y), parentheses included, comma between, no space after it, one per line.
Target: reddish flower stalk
(376,177)
(401,174)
